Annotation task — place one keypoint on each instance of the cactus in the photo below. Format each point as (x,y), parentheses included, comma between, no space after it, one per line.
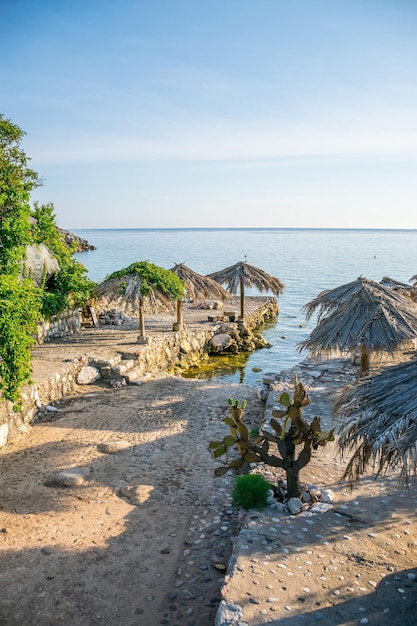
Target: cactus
(290,430)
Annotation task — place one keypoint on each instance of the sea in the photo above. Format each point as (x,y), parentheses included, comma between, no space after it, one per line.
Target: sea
(307,261)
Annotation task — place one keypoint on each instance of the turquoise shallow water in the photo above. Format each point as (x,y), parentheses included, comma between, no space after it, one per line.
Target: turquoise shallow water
(305,260)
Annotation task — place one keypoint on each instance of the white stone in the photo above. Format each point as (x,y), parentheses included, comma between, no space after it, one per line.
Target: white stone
(51,408)
(4,432)
(321,507)
(327,495)
(228,613)
(87,375)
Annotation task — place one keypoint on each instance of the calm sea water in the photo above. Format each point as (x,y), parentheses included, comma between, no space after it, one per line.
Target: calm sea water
(305,260)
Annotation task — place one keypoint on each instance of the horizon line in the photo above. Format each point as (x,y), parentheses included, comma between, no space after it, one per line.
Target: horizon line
(234,228)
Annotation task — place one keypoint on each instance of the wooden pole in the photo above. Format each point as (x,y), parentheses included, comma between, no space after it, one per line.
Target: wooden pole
(179,312)
(365,360)
(141,319)
(242,298)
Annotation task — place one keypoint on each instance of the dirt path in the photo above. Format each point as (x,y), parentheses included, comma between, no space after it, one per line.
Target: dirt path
(134,543)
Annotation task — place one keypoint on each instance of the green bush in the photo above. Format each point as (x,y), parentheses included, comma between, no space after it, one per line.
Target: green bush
(19,312)
(250,491)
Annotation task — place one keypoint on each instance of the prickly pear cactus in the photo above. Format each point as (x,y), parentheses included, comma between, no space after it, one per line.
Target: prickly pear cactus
(290,430)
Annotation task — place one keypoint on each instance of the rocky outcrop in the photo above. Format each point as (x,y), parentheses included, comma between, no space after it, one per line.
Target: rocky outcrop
(39,264)
(70,239)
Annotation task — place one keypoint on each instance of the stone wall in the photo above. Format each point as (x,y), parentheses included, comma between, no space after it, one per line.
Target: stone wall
(62,325)
(174,352)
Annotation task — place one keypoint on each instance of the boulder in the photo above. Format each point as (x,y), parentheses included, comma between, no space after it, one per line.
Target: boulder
(220,342)
(39,263)
(88,374)
(294,506)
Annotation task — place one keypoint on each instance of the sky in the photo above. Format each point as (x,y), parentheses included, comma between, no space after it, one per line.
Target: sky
(228,113)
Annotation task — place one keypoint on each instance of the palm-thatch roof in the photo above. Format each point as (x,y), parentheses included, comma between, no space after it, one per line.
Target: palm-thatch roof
(129,289)
(142,280)
(241,275)
(381,426)
(362,313)
(197,285)
(364,288)
(397,285)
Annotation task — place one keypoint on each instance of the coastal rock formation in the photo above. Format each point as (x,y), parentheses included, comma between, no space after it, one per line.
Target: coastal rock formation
(70,239)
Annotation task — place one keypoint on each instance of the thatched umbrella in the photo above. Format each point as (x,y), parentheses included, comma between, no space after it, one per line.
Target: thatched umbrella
(197,287)
(397,285)
(142,280)
(362,314)
(244,275)
(381,426)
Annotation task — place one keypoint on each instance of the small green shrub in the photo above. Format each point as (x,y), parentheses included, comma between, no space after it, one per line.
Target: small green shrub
(250,491)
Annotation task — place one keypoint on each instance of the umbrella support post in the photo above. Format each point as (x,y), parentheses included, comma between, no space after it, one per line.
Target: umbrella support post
(143,340)
(176,326)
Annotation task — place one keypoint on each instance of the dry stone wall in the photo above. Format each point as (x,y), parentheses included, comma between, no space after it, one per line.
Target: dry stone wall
(62,325)
(175,352)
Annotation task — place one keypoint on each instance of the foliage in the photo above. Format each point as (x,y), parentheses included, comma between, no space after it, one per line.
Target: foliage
(69,287)
(250,491)
(152,278)
(254,447)
(16,183)
(19,311)
(21,303)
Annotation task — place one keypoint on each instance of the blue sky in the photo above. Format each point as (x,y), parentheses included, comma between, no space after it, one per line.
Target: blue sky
(247,113)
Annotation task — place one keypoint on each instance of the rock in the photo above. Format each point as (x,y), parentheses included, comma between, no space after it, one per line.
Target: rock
(269,378)
(305,496)
(185,347)
(220,342)
(228,614)
(218,562)
(88,375)
(315,373)
(64,479)
(40,264)
(113,447)
(321,507)
(327,495)
(51,408)
(280,507)
(4,432)
(70,239)
(294,505)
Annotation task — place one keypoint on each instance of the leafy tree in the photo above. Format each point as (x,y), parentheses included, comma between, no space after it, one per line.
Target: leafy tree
(70,287)
(19,300)
(21,303)
(16,182)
